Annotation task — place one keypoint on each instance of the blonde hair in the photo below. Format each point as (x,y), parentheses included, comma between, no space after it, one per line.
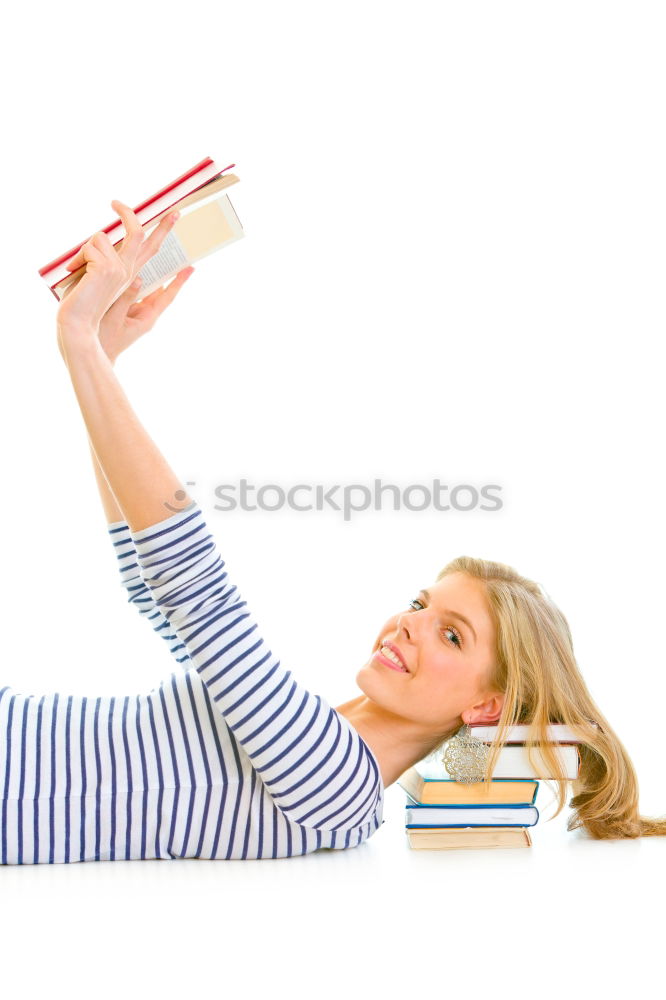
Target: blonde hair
(537,671)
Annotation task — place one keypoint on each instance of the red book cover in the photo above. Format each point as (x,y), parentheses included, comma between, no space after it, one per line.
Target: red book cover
(195,178)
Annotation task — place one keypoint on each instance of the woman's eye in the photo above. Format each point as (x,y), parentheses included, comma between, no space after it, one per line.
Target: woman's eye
(456,641)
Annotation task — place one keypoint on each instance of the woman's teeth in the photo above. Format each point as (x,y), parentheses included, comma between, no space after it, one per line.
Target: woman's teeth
(390,655)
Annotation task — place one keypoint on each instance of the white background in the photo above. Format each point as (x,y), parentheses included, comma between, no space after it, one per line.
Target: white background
(453,268)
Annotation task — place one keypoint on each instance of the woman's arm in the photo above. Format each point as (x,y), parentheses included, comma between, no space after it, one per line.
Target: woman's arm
(144,486)
(125,322)
(111,509)
(122,325)
(139,595)
(142,483)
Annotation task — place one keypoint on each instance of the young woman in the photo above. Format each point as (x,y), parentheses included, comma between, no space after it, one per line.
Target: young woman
(231,757)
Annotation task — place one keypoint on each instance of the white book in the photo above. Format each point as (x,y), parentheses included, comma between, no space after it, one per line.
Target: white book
(518,734)
(513,762)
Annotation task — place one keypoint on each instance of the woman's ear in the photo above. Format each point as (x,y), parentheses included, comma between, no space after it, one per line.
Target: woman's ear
(485,712)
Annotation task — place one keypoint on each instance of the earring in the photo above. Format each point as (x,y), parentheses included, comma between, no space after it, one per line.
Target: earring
(465,757)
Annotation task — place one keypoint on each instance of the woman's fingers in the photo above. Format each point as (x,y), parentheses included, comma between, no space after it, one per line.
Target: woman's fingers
(76,261)
(128,247)
(133,249)
(101,242)
(156,238)
(130,292)
(79,258)
(158,300)
(166,295)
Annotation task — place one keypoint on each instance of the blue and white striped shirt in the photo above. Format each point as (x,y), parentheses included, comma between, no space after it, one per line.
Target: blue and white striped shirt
(228,758)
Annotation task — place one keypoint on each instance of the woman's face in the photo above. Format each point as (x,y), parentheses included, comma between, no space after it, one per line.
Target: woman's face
(449,661)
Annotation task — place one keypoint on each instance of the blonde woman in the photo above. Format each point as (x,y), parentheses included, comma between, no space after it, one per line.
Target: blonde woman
(231,757)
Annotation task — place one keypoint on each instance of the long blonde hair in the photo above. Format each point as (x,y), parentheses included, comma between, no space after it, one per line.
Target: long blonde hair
(536,669)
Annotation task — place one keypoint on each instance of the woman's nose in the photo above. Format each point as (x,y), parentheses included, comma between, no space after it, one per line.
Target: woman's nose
(402,627)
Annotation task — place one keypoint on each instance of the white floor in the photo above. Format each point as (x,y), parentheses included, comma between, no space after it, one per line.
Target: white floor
(567,917)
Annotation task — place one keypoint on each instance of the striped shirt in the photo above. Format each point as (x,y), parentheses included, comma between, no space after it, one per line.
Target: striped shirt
(228,758)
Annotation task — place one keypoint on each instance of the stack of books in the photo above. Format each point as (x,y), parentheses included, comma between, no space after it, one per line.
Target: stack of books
(208,222)
(443,814)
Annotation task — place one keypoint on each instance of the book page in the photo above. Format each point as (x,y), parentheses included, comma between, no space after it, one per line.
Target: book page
(196,234)
(206,228)
(170,258)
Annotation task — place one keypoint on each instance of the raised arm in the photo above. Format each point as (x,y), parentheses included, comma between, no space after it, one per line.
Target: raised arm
(125,322)
(144,486)
(122,326)
(112,511)
(139,595)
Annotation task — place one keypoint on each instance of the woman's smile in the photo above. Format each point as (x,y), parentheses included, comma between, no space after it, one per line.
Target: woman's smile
(392,663)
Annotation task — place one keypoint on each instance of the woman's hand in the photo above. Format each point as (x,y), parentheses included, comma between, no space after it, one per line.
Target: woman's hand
(127,320)
(109,273)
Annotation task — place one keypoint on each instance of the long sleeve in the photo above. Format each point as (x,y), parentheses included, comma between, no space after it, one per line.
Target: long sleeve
(138,593)
(313,763)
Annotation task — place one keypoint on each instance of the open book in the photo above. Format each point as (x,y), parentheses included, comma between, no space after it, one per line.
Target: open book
(208,222)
